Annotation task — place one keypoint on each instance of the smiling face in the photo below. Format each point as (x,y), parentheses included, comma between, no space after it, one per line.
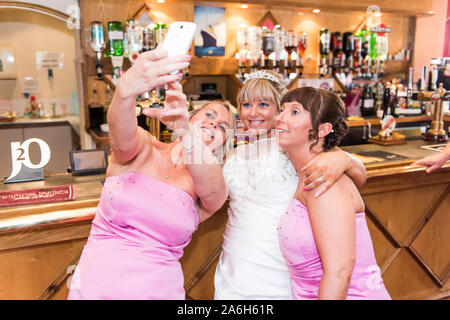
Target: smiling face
(259,100)
(214,121)
(259,115)
(311,117)
(293,125)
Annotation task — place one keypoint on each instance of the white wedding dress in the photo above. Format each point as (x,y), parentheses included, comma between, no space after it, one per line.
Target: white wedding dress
(261,181)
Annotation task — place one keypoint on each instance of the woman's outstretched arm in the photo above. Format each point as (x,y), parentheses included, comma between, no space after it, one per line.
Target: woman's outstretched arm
(205,170)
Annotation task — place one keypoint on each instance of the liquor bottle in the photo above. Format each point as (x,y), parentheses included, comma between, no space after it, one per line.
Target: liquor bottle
(115,51)
(364,34)
(279,44)
(115,35)
(290,46)
(357,60)
(336,44)
(268,45)
(148,38)
(348,47)
(382,46)
(133,40)
(160,32)
(373,49)
(302,45)
(324,48)
(395,103)
(386,100)
(98,44)
(254,45)
(368,104)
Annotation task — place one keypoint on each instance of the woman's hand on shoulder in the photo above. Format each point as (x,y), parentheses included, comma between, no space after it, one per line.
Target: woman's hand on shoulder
(325,169)
(151,69)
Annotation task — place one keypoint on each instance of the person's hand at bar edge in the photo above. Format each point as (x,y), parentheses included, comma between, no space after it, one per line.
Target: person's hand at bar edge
(435,161)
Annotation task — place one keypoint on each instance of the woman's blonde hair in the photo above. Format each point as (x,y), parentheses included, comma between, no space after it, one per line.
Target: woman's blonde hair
(229,140)
(267,86)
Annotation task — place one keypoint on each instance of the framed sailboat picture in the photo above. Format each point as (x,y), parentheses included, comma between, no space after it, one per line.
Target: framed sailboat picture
(210,37)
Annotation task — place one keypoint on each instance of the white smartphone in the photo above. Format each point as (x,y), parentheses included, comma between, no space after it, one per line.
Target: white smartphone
(179,38)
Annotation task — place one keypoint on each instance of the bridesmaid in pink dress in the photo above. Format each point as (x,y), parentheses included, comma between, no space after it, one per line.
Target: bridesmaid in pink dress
(148,206)
(325,240)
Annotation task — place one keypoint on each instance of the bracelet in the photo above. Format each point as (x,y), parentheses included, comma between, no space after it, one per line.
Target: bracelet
(188,149)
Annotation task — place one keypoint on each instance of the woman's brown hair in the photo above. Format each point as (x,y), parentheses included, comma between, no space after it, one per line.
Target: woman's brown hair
(324,106)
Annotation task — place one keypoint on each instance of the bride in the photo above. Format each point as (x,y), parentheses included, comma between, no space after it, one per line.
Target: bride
(261,181)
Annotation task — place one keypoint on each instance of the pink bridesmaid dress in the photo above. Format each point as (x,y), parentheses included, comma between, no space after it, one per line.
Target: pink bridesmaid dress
(137,237)
(304,264)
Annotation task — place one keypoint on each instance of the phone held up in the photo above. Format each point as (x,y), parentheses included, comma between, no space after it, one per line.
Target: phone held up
(179,38)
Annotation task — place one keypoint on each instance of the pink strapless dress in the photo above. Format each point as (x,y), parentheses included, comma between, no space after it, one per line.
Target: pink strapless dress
(304,264)
(137,237)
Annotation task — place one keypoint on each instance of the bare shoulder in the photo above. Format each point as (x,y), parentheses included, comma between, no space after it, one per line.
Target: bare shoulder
(342,193)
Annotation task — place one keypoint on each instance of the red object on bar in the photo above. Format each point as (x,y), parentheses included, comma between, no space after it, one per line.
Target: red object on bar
(33,196)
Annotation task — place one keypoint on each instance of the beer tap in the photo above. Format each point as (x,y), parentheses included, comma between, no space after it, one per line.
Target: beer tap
(436,133)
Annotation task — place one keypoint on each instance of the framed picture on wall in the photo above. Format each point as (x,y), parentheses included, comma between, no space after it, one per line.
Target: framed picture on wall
(268,21)
(210,37)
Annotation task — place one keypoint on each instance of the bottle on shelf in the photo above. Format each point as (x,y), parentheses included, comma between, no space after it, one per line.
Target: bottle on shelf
(386,101)
(348,47)
(301,47)
(336,49)
(115,49)
(98,44)
(160,32)
(268,46)
(133,40)
(368,102)
(324,43)
(290,46)
(279,44)
(148,38)
(255,43)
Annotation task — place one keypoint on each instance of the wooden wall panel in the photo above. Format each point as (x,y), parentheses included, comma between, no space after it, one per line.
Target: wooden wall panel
(26,272)
(405,277)
(391,208)
(436,235)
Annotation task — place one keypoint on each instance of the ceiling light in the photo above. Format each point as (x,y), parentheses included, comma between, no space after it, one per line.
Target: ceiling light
(160,1)
(430,12)
(316,10)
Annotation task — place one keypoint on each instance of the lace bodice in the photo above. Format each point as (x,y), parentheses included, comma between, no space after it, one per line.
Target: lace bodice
(261,181)
(257,166)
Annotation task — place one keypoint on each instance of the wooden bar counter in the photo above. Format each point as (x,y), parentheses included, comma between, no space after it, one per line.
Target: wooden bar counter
(408,213)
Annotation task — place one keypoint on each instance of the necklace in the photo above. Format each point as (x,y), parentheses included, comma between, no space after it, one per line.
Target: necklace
(174,164)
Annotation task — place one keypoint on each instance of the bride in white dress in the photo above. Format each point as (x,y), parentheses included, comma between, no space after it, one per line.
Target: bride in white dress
(261,181)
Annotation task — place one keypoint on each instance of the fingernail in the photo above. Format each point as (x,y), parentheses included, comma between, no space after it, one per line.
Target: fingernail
(305,189)
(180,75)
(317,194)
(189,57)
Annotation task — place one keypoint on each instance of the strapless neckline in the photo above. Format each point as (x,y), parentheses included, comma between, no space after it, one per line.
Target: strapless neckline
(153,179)
(300,204)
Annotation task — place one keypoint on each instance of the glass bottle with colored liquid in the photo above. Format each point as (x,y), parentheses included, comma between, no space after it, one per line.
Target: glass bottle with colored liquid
(115,50)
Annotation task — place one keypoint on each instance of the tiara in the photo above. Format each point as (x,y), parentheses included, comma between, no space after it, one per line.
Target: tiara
(261,74)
